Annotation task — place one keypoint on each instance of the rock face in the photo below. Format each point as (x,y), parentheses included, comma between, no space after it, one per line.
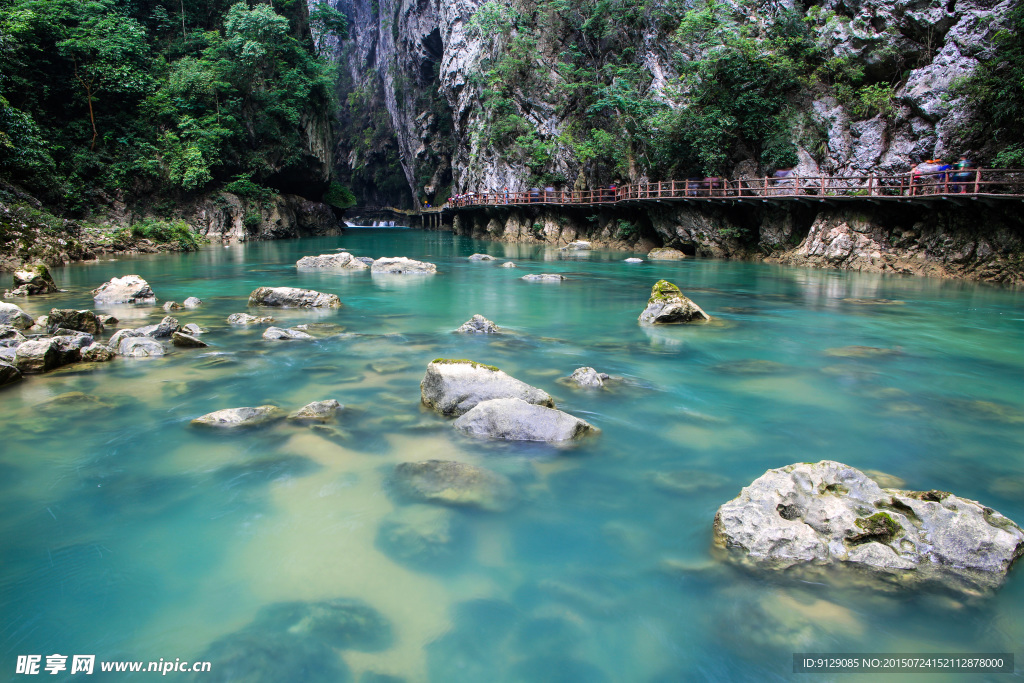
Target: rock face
(278,334)
(130,289)
(478,325)
(668,305)
(9,374)
(340,261)
(37,356)
(13,316)
(246,319)
(292,297)
(233,418)
(587,377)
(187,341)
(813,516)
(140,347)
(453,483)
(665,254)
(401,265)
(70,319)
(317,411)
(543,277)
(33,279)
(514,419)
(453,387)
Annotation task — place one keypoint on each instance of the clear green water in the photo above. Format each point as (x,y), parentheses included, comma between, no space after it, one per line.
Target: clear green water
(127,534)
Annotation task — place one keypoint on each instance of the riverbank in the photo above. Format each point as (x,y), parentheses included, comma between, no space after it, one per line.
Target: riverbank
(982,242)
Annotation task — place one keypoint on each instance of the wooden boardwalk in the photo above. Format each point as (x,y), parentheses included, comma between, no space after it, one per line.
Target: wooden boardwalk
(987,185)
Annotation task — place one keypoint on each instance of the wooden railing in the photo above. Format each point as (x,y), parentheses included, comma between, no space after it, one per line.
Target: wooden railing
(1000,183)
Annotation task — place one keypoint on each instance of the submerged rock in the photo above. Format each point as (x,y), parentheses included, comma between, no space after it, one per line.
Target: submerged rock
(813,516)
(421,535)
(751,366)
(70,319)
(665,254)
(543,277)
(453,483)
(685,482)
(251,657)
(9,374)
(342,623)
(246,319)
(33,279)
(97,353)
(277,334)
(232,418)
(668,305)
(317,411)
(12,316)
(140,347)
(481,257)
(478,325)
(365,259)
(513,419)
(402,266)
(340,261)
(187,341)
(862,352)
(292,297)
(587,377)
(453,387)
(192,302)
(130,289)
(172,306)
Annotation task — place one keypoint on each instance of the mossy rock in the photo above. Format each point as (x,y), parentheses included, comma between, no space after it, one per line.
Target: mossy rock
(663,290)
(464,361)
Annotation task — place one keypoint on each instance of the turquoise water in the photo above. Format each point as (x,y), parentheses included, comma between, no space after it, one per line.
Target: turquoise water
(127,534)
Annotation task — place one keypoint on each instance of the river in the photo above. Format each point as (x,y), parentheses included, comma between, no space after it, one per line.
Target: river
(129,534)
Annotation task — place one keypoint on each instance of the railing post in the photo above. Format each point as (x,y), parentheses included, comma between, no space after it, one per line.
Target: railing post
(977,180)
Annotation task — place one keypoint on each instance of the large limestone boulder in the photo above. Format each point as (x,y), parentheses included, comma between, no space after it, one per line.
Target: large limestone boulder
(453,387)
(277,334)
(115,341)
(13,316)
(292,297)
(453,483)
(543,277)
(401,265)
(9,374)
(70,319)
(140,347)
(38,355)
(340,261)
(130,289)
(668,305)
(812,517)
(233,418)
(33,279)
(514,419)
(665,254)
(478,325)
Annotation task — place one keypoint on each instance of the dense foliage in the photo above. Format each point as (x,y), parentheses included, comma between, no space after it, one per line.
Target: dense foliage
(156,97)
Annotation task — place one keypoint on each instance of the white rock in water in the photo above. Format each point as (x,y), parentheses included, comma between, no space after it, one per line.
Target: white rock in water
(11,314)
(292,297)
(340,261)
(543,277)
(192,302)
(579,245)
(401,265)
(130,289)
(827,514)
(514,419)
(277,333)
(634,260)
(453,387)
(246,319)
(508,264)
(667,305)
(140,347)
(481,257)
(317,411)
(587,377)
(233,418)
(478,325)
(665,254)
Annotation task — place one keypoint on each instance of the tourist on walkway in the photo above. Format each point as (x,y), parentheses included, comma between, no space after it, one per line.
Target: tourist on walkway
(962,174)
(785,181)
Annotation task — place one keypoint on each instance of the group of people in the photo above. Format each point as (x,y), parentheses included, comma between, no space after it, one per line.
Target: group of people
(935,172)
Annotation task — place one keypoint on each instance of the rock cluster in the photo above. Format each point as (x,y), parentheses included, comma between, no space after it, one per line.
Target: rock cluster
(478,325)
(827,515)
(292,297)
(668,305)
